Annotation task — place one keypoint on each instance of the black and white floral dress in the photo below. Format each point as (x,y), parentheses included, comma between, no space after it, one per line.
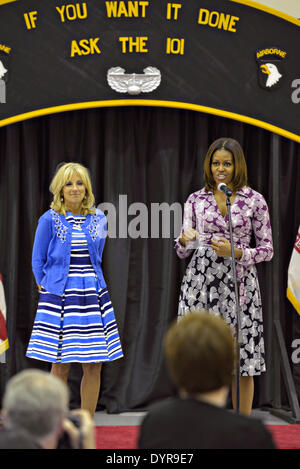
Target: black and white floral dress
(208,281)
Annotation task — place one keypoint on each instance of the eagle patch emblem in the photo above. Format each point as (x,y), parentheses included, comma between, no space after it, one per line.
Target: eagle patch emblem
(4,70)
(270,67)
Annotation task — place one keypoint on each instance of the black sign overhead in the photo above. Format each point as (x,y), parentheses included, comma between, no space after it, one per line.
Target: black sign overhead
(231,58)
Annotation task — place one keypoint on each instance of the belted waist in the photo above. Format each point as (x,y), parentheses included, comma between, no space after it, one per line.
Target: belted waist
(206,238)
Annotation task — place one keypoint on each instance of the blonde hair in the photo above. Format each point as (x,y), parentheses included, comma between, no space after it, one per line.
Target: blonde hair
(64,173)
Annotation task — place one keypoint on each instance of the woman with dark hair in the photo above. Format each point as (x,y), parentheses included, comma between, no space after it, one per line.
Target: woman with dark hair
(208,281)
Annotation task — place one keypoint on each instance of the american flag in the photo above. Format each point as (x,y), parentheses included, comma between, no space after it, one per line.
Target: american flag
(3,332)
(293,289)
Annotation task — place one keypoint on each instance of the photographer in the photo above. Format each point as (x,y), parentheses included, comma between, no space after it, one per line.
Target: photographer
(36,405)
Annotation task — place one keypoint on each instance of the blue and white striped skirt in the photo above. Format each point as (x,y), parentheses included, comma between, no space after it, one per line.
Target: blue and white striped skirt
(78,326)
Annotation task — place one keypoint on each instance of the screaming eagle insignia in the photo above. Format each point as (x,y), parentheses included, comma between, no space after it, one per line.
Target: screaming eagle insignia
(270,67)
(133,83)
(4,73)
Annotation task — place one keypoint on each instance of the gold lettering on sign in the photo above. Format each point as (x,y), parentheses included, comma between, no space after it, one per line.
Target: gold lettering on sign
(72,12)
(30,19)
(85,47)
(216,19)
(279,52)
(172,10)
(130,9)
(175,46)
(137,44)
(5,49)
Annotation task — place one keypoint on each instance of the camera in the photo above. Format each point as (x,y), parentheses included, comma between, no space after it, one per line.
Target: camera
(64,441)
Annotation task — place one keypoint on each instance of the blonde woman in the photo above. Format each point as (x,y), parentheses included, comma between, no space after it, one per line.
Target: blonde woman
(75,320)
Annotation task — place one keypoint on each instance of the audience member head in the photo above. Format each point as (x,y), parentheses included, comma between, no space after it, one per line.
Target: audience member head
(35,402)
(200,353)
(14,439)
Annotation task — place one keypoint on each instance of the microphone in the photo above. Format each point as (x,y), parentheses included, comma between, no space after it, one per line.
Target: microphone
(223,188)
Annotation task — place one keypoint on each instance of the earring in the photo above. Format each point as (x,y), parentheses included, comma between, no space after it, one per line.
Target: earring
(61,199)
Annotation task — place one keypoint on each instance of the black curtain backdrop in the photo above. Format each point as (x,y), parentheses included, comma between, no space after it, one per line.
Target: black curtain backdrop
(152,155)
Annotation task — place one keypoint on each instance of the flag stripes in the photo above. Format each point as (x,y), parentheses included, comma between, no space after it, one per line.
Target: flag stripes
(293,288)
(3,331)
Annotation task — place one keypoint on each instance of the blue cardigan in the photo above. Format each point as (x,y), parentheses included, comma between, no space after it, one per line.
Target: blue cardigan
(52,248)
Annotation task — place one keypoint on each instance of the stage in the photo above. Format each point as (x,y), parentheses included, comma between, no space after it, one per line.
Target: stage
(102,418)
(121,431)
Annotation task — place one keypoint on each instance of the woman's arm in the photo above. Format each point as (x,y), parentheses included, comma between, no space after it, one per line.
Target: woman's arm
(263,235)
(40,247)
(189,225)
